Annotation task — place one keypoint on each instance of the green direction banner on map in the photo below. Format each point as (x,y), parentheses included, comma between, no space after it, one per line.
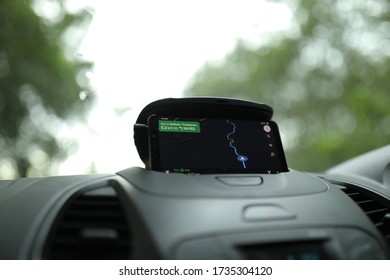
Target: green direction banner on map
(178,126)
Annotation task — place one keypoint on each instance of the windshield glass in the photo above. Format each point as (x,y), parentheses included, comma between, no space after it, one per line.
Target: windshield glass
(74,75)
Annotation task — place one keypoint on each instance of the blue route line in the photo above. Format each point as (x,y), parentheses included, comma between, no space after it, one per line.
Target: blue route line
(241,158)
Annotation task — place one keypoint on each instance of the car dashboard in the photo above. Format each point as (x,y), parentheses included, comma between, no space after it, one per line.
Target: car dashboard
(138,213)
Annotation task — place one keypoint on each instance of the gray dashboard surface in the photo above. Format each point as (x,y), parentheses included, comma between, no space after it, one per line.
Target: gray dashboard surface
(173,215)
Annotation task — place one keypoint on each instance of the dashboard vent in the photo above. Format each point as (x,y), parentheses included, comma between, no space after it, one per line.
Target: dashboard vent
(91,225)
(375,207)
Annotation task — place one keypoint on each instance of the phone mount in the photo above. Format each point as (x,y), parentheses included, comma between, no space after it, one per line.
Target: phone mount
(211,107)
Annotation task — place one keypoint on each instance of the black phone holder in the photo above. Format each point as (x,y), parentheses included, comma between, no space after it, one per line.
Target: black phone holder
(211,107)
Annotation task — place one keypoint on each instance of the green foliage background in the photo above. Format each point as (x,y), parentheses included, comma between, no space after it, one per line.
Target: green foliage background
(41,85)
(327,78)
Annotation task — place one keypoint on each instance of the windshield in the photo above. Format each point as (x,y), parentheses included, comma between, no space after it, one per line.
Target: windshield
(74,75)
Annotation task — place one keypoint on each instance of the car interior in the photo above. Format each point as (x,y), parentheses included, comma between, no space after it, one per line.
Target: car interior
(215,185)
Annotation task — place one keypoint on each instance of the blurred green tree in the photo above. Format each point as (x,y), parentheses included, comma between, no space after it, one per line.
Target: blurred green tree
(41,82)
(327,78)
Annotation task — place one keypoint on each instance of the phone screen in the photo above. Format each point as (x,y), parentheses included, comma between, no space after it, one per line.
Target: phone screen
(204,145)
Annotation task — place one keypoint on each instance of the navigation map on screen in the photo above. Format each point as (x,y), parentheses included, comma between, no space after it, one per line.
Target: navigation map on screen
(218,145)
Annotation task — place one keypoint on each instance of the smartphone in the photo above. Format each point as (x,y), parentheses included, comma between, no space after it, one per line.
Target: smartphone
(209,145)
